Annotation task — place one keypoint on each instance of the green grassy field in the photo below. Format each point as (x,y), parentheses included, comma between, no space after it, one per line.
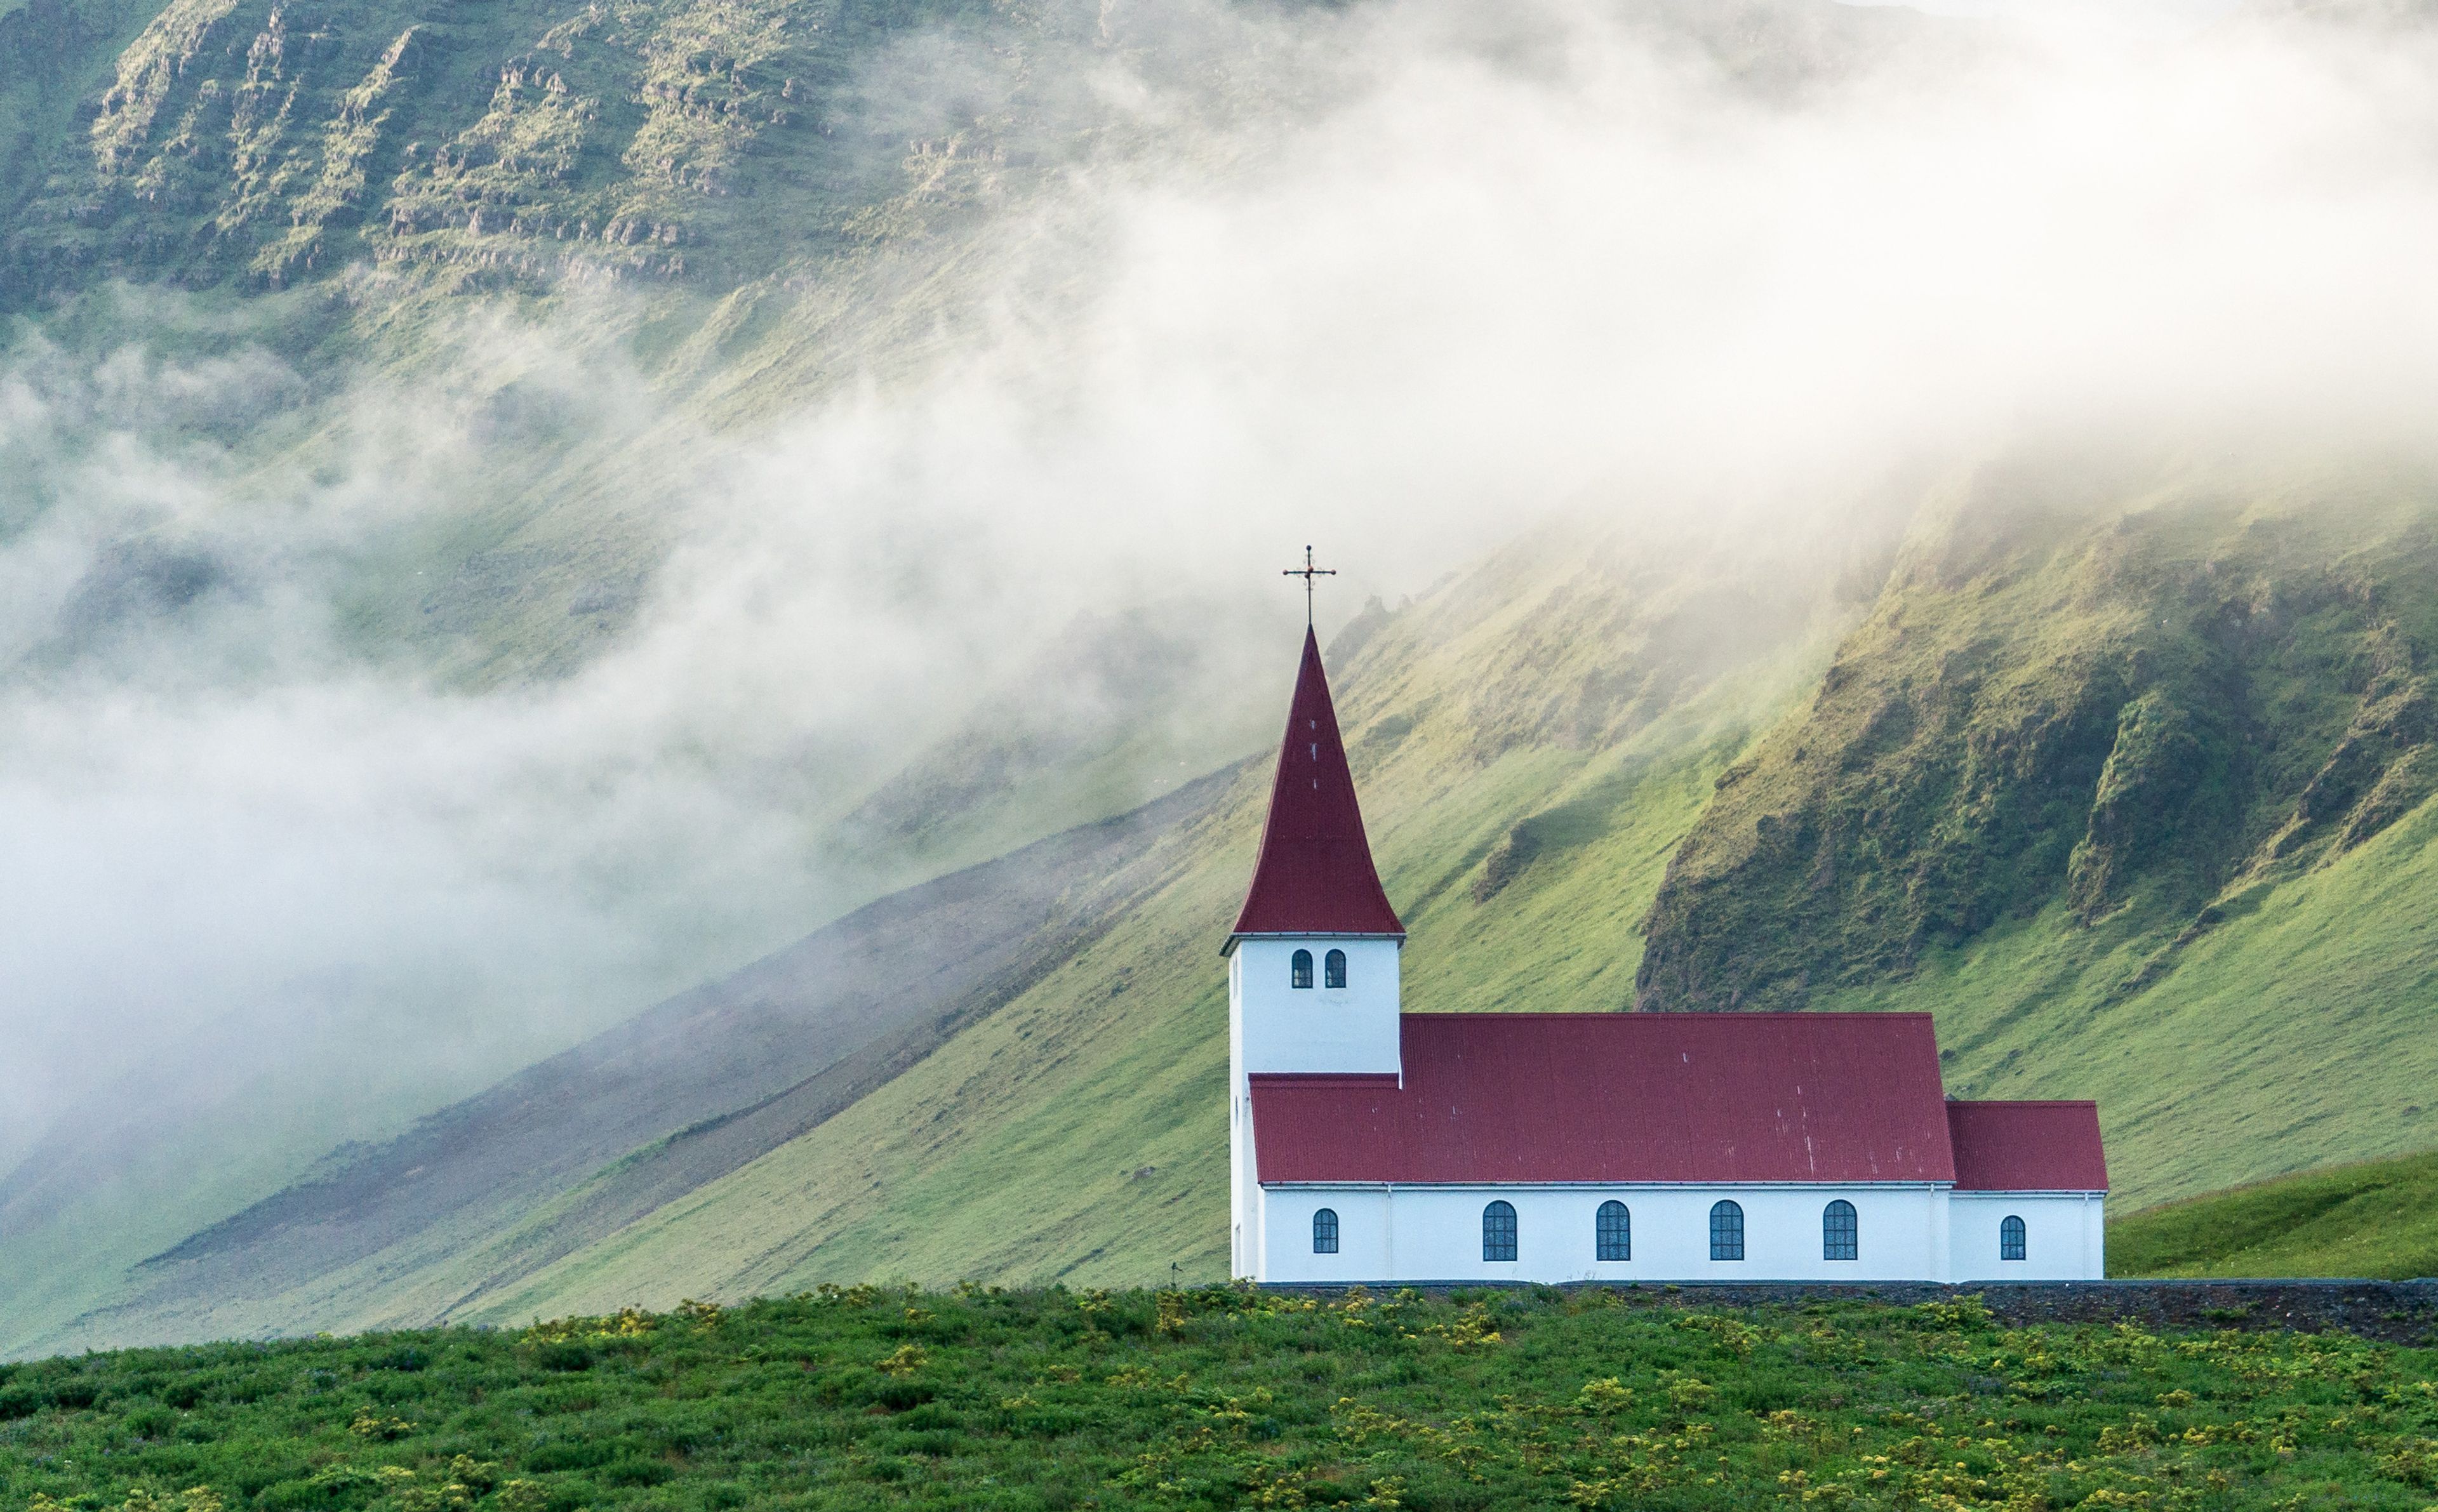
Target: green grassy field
(2376,1218)
(1215,1398)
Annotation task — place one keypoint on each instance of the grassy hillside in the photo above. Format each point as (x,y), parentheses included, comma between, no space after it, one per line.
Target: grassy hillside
(480,1195)
(2376,1218)
(1101,1052)
(2133,796)
(1552,749)
(1073,1135)
(2294,1037)
(2138,693)
(2291,1028)
(1221,1399)
(1535,741)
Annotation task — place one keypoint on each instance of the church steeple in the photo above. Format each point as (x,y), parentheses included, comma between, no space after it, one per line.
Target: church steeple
(1315,875)
(1312,966)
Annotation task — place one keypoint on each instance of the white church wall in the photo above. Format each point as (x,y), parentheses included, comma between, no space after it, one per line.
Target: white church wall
(1274,1026)
(1363,1235)
(1243,1197)
(2065,1236)
(1433,1233)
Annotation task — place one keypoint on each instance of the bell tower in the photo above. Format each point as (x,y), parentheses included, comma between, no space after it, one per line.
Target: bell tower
(1312,964)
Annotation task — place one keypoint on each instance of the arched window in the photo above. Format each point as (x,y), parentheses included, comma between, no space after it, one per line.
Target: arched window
(1726,1232)
(1838,1236)
(1324,1231)
(1299,969)
(1334,969)
(2011,1238)
(1613,1233)
(1499,1231)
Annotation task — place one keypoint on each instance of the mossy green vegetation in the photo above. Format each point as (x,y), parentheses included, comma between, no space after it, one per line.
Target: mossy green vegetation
(1224,1398)
(2377,1218)
(2292,1035)
(2133,799)
(2207,685)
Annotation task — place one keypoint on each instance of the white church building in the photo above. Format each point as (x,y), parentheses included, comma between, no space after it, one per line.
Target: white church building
(1369,1144)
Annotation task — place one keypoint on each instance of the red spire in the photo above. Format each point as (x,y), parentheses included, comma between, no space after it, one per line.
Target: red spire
(1315,876)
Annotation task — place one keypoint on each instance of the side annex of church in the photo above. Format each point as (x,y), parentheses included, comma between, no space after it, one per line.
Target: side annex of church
(1369,1144)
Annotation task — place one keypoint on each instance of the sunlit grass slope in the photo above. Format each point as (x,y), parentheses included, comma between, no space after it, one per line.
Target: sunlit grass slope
(2376,1218)
(1076,1133)
(1218,1398)
(2297,1035)
(2125,778)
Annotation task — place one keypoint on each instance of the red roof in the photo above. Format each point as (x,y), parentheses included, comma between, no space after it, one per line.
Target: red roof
(1622,1098)
(1315,875)
(2028,1147)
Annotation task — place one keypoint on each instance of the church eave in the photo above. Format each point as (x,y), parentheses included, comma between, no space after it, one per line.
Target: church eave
(1229,948)
(1316,1183)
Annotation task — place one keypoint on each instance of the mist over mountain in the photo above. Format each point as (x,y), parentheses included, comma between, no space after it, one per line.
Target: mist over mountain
(511,514)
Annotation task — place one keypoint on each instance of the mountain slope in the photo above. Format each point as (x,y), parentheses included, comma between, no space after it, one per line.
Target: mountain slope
(1604,749)
(2137,698)
(1073,1135)
(2376,1218)
(208,139)
(1552,749)
(713,143)
(2129,785)
(480,499)
(471,1197)
(2125,774)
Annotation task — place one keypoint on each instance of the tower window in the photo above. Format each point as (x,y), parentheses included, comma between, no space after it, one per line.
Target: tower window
(1299,969)
(1839,1233)
(1333,968)
(2011,1238)
(1324,1231)
(1726,1232)
(1499,1231)
(1613,1233)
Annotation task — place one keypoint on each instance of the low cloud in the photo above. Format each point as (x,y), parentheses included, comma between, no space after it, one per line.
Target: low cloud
(1442,274)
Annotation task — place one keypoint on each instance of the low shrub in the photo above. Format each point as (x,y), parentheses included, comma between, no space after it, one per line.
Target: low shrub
(861,1397)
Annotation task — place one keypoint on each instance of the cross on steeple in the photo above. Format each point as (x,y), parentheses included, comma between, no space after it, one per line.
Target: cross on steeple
(1307,572)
